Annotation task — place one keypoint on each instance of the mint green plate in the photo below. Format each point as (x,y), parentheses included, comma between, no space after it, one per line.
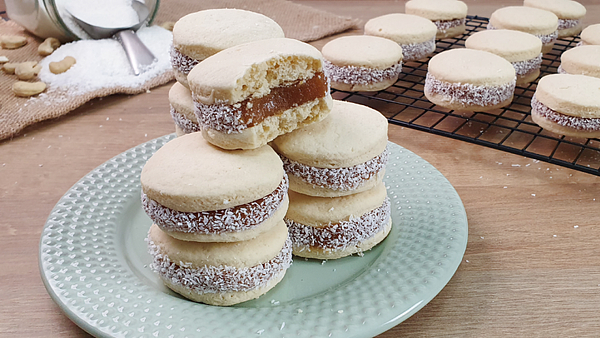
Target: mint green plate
(94,263)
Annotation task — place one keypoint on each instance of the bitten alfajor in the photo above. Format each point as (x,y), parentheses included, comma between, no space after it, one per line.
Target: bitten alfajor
(199,35)
(362,62)
(591,35)
(343,154)
(182,110)
(221,273)
(247,95)
(335,227)
(584,60)
(470,79)
(448,15)
(570,14)
(568,105)
(195,191)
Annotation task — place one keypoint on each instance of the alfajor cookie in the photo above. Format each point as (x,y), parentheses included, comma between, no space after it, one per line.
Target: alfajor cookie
(539,22)
(221,273)
(343,154)
(448,15)
(247,95)
(570,14)
(199,35)
(522,50)
(591,35)
(362,62)
(469,79)
(182,110)
(568,105)
(584,60)
(416,35)
(195,191)
(335,227)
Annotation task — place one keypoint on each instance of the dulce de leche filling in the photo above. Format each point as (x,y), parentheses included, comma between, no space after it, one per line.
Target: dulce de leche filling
(575,122)
(234,219)
(234,118)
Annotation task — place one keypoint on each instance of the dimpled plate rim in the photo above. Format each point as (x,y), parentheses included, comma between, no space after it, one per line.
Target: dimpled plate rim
(88,277)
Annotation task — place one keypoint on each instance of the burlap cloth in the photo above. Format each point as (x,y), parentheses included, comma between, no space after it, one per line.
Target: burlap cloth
(298,22)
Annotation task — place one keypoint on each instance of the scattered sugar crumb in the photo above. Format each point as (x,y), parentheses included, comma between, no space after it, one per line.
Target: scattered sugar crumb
(340,311)
(259,332)
(145,135)
(507,174)
(516,165)
(323,262)
(41,165)
(108,118)
(480,176)
(505,187)
(554,236)
(274,302)
(499,163)
(101,126)
(466,260)
(282,326)
(482,237)
(148,91)
(576,226)
(299,311)
(533,195)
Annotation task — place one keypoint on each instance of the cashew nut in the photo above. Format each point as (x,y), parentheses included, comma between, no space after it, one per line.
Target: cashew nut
(63,65)
(27,89)
(3,59)
(27,70)
(168,25)
(48,46)
(9,68)
(12,41)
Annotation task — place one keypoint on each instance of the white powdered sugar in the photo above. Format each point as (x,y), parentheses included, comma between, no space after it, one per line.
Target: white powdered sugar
(234,219)
(546,38)
(188,126)
(527,66)
(181,62)
(568,23)
(217,279)
(468,94)
(340,179)
(416,51)
(444,25)
(578,123)
(105,13)
(339,236)
(360,75)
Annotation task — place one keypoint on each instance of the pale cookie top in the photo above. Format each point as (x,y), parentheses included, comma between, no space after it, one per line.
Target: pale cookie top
(362,51)
(526,19)
(241,254)
(591,35)
(252,69)
(437,10)
(402,28)
(351,134)
(476,67)
(191,175)
(321,211)
(575,95)
(181,99)
(583,60)
(512,45)
(202,34)
(564,9)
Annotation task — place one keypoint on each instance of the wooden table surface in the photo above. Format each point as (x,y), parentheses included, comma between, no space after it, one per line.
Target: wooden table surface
(532,264)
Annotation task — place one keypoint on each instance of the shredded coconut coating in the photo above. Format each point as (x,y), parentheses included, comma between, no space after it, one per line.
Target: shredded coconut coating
(221,116)
(527,66)
(546,38)
(223,278)
(416,51)
(578,123)
(339,236)
(560,70)
(234,219)
(469,94)
(444,25)
(339,179)
(181,62)
(567,23)
(188,126)
(360,75)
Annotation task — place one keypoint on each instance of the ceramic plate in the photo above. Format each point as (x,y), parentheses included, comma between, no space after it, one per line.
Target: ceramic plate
(94,263)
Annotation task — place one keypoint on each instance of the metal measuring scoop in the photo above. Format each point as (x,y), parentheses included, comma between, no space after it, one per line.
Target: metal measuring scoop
(138,54)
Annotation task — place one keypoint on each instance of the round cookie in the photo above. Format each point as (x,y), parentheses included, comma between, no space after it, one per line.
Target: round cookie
(362,62)
(182,110)
(469,79)
(335,227)
(591,35)
(199,35)
(195,191)
(343,154)
(584,60)
(247,95)
(570,14)
(221,273)
(448,15)
(539,22)
(416,35)
(522,50)
(568,105)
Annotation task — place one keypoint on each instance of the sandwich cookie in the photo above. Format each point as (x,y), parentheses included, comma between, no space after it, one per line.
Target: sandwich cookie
(247,95)
(569,13)
(195,191)
(568,105)
(470,79)
(416,35)
(584,60)
(590,35)
(221,273)
(182,110)
(539,22)
(362,62)
(522,50)
(199,35)
(335,227)
(343,154)
(448,15)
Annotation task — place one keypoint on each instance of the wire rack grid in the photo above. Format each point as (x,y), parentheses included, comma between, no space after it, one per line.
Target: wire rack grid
(508,129)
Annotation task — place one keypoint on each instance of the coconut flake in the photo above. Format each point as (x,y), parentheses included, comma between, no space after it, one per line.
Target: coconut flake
(188,126)
(360,75)
(416,51)
(546,38)
(469,94)
(182,62)
(527,66)
(567,23)
(444,25)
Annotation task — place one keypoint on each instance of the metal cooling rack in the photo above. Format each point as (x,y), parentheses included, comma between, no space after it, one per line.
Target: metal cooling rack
(508,129)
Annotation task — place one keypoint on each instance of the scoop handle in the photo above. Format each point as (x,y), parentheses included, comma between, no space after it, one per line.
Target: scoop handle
(138,54)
